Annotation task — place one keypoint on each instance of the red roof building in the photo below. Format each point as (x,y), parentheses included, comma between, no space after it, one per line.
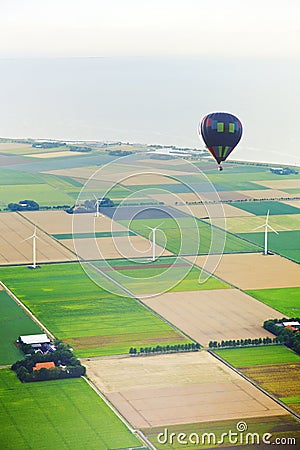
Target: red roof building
(45,365)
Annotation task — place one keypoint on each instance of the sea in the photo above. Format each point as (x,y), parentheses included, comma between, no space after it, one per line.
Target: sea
(153,101)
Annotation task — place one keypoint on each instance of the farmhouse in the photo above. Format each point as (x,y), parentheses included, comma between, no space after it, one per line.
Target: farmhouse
(44,365)
(35,340)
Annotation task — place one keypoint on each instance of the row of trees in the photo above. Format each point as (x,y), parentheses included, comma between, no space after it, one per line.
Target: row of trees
(120,152)
(200,202)
(75,148)
(243,342)
(286,336)
(62,356)
(188,347)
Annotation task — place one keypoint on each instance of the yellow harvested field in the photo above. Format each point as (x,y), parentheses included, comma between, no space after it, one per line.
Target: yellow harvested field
(59,222)
(177,389)
(112,248)
(249,224)
(14,250)
(267,194)
(228,313)
(55,154)
(295,203)
(281,184)
(256,271)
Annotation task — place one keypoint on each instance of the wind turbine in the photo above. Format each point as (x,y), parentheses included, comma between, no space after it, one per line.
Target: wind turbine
(34,238)
(153,230)
(97,204)
(266,226)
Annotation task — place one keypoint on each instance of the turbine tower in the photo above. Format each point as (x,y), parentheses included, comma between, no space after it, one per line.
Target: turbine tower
(97,204)
(34,238)
(266,226)
(153,231)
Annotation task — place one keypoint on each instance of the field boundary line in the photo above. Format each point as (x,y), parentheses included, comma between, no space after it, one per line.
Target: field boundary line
(27,310)
(138,433)
(280,403)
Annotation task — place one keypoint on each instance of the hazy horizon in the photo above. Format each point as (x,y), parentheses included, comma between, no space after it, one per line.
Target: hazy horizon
(69,70)
(152,101)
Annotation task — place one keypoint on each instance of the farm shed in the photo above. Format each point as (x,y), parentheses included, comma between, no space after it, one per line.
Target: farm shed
(35,340)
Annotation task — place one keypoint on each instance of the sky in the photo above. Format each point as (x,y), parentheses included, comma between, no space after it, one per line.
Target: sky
(73,28)
(147,71)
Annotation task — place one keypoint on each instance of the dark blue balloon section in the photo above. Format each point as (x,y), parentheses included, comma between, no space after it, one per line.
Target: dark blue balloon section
(221,133)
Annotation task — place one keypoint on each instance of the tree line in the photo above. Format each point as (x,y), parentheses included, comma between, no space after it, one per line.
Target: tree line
(188,347)
(243,342)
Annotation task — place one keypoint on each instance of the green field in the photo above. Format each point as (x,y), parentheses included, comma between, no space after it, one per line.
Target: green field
(286,243)
(141,277)
(186,227)
(43,194)
(260,208)
(278,426)
(13,323)
(285,300)
(58,414)
(94,321)
(257,356)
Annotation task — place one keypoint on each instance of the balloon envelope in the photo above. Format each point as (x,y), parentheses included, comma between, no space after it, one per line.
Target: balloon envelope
(221,133)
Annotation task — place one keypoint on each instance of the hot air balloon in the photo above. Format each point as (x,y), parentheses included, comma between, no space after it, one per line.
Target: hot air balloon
(221,133)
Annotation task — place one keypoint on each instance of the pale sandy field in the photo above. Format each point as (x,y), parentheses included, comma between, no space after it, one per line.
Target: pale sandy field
(281,184)
(200,211)
(111,248)
(178,388)
(256,271)
(269,194)
(214,315)
(59,222)
(13,250)
(12,146)
(55,154)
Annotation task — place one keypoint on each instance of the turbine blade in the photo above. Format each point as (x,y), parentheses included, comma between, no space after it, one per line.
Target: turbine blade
(261,226)
(160,225)
(269,226)
(27,239)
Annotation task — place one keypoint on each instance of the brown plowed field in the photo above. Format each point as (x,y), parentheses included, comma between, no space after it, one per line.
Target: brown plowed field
(176,389)
(214,315)
(282,380)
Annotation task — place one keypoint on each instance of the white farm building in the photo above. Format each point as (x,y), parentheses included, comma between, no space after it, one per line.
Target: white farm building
(35,340)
